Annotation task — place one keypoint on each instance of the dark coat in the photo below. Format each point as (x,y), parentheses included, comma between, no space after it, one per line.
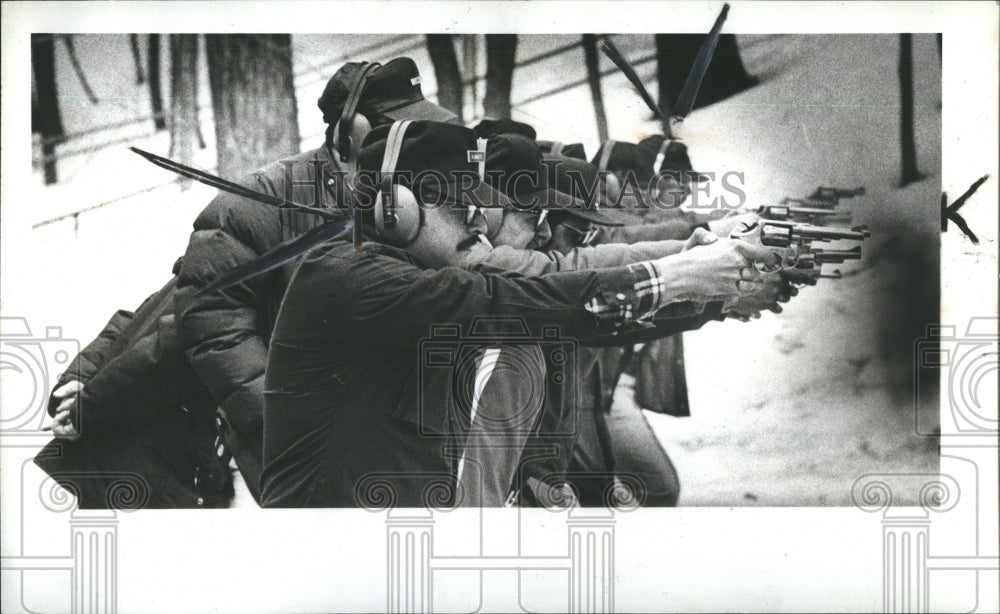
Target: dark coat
(575,406)
(145,421)
(350,414)
(226,334)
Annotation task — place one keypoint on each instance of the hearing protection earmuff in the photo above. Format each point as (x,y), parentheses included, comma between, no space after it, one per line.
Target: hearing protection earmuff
(352,126)
(397,214)
(612,184)
(602,162)
(661,155)
(655,190)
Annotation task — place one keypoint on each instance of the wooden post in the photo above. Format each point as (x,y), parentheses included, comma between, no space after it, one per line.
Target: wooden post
(155,92)
(45,117)
(470,62)
(594,79)
(449,81)
(501,51)
(907,141)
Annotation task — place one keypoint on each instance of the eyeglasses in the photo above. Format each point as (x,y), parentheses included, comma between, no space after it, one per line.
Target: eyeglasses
(491,216)
(586,237)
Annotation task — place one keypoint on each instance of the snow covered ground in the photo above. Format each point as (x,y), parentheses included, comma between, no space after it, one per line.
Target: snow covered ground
(787,410)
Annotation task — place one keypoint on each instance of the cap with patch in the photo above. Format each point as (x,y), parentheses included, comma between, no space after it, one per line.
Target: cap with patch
(393,90)
(671,155)
(579,179)
(620,157)
(437,160)
(494,127)
(514,166)
(570,150)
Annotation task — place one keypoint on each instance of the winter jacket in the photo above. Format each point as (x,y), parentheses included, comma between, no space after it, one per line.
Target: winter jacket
(225,334)
(145,422)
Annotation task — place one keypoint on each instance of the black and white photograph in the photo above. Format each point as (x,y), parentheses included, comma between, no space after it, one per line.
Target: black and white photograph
(500,306)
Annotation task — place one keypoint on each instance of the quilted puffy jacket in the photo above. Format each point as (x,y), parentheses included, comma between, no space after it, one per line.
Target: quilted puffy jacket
(225,334)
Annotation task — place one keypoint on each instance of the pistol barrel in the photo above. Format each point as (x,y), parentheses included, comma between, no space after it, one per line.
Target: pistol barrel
(784,212)
(834,194)
(836,256)
(816,203)
(819,233)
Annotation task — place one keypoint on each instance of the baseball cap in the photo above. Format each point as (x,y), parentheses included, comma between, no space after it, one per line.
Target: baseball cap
(674,157)
(393,90)
(574,176)
(433,158)
(572,150)
(493,127)
(514,167)
(619,157)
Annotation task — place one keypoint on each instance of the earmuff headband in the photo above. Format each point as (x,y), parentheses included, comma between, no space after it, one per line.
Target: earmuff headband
(386,197)
(344,143)
(661,155)
(602,164)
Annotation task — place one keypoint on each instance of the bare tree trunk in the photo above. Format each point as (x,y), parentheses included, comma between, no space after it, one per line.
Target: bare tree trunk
(184,124)
(449,79)
(907,141)
(155,92)
(75,63)
(133,41)
(45,117)
(253,99)
(470,63)
(501,50)
(594,78)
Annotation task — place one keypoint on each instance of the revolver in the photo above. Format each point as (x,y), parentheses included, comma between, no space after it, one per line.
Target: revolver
(785,212)
(793,243)
(835,194)
(811,261)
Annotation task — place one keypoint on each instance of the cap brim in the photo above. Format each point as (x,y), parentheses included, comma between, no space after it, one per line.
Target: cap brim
(615,217)
(421,110)
(578,208)
(596,217)
(545,198)
(448,193)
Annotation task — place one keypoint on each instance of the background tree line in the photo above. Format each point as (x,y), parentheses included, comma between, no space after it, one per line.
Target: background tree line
(254,103)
